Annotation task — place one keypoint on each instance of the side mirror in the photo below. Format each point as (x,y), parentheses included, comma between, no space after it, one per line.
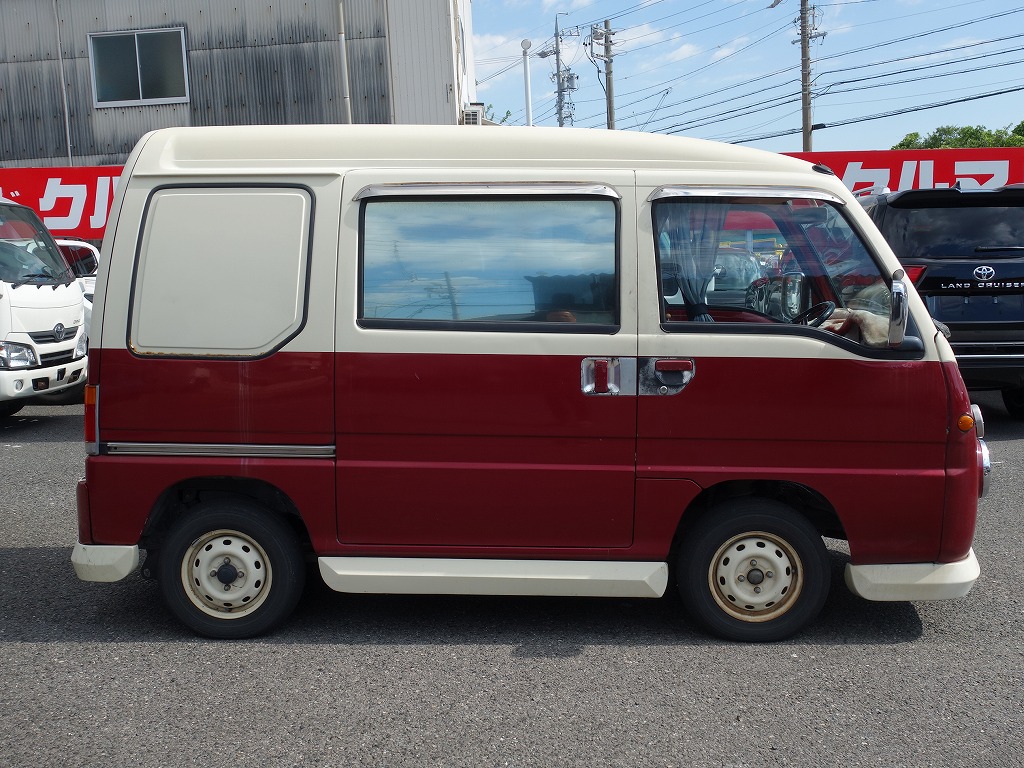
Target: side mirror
(898,312)
(85,267)
(82,259)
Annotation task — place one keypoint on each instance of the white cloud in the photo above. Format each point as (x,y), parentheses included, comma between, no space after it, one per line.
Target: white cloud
(561,6)
(730,48)
(684,51)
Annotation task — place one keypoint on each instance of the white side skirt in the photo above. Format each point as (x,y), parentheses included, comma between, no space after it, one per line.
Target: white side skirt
(914,581)
(437,576)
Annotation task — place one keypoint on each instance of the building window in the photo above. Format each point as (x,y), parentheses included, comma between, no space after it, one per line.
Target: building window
(130,68)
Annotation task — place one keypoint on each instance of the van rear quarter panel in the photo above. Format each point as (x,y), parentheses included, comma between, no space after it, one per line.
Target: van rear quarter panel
(284,397)
(124,490)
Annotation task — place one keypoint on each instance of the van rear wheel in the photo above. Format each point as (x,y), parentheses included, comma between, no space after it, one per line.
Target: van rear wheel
(231,570)
(753,570)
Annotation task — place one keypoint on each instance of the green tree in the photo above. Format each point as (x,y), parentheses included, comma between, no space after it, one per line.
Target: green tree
(957,136)
(490,115)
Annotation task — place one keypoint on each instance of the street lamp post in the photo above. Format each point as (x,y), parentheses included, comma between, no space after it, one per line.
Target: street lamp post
(526,80)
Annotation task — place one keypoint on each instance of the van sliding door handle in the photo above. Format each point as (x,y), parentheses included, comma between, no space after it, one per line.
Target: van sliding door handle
(600,376)
(608,376)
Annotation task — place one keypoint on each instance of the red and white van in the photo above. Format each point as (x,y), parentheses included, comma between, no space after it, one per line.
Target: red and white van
(513,361)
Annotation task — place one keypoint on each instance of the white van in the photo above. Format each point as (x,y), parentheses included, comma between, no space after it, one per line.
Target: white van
(513,361)
(43,341)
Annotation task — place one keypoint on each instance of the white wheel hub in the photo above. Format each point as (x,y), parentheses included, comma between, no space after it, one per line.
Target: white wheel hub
(755,576)
(226,574)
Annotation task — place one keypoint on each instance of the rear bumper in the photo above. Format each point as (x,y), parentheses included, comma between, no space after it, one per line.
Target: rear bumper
(914,581)
(985,371)
(97,562)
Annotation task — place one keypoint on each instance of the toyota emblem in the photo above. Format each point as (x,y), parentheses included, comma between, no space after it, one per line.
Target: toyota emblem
(984,273)
(59,331)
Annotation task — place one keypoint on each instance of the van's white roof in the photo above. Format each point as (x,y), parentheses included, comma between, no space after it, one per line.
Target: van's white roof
(200,149)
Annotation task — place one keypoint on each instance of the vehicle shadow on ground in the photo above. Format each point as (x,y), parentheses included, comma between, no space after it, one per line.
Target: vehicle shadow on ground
(44,425)
(43,600)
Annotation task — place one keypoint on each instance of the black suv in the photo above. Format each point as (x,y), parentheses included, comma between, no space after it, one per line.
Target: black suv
(964,251)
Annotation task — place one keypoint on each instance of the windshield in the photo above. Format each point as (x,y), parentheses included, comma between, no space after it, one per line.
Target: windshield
(27,252)
(959,232)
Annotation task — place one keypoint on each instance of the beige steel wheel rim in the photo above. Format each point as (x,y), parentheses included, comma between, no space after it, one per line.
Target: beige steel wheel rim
(756,576)
(226,574)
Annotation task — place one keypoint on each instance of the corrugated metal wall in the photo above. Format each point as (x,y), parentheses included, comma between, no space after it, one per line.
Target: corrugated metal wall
(369,70)
(419,35)
(249,62)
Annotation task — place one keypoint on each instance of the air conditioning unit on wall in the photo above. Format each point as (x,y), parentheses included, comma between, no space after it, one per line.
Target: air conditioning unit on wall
(473,115)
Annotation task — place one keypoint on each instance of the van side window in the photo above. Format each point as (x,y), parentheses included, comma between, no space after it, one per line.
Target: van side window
(221,271)
(773,260)
(525,264)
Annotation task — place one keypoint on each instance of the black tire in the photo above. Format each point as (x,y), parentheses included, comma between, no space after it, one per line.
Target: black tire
(10,408)
(1013,399)
(231,569)
(778,587)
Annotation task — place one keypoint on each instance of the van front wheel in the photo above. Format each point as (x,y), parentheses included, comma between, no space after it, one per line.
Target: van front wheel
(753,570)
(10,408)
(231,570)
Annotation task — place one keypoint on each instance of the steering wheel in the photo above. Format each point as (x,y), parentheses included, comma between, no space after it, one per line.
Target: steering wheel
(816,315)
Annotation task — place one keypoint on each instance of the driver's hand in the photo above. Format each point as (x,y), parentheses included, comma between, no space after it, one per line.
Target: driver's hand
(841,322)
(866,327)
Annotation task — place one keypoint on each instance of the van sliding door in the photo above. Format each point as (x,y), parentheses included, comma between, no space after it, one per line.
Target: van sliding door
(486,373)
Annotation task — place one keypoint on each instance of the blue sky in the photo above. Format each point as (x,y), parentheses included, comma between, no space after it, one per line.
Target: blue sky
(729,69)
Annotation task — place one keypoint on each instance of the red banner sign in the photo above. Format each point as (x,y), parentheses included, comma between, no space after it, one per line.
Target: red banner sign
(898,169)
(76,201)
(71,201)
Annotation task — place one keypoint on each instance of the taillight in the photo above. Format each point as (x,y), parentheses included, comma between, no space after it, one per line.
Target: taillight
(92,398)
(914,272)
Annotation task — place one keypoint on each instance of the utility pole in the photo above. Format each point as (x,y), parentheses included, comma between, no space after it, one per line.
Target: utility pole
(596,34)
(565,80)
(559,98)
(807,33)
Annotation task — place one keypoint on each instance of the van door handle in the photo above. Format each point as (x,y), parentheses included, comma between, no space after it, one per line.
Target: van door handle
(608,376)
(665,375)
(600,376)
(670,365)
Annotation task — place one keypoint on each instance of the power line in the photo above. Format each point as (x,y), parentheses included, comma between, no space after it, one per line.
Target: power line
(749,109)
(819,59)
(761,80)
(881,115)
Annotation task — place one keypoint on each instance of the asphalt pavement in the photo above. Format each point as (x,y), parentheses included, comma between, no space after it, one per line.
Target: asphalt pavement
(99,674)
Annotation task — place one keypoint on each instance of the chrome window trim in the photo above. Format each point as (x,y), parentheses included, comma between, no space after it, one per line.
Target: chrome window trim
(225,450)
(689,190)
(424,189)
